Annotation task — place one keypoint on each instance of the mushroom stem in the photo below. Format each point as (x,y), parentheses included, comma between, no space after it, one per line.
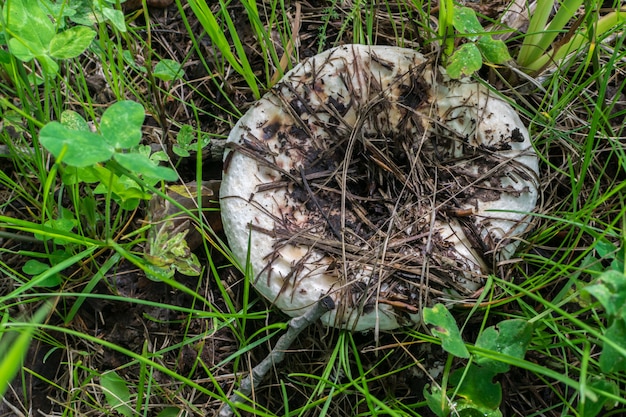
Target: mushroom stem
(296,326)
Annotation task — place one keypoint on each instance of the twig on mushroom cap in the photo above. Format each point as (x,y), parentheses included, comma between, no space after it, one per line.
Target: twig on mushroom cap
(296,326)
(367,175)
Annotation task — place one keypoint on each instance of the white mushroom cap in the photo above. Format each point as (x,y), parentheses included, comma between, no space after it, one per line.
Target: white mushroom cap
(368,175)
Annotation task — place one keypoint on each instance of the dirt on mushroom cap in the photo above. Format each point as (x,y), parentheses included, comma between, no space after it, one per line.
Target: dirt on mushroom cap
(367,174)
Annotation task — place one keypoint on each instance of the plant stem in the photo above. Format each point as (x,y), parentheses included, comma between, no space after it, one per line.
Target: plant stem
(446,27)
(296,326)
(604,25)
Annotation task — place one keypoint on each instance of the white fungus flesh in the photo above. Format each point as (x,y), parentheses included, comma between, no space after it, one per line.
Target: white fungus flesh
(368,175)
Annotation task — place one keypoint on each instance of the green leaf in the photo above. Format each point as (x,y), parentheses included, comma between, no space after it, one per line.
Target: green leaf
(5,57)
(74,121)
(465,61)
(446,330)
(116,17)
(121,124)
(477,386)
(494,51)
(128,58)
(72,42)
(466,22)
(472,411)
(612,360)
(34,267)
(605,248)
(77,148)
(511,338)
(437,401)
(116,393)
(592,408)
(29,22)
(168,70)
(140,164)
(49,65)
(124,189)
(180,151)
(610,290)
(74,175)
(23,50)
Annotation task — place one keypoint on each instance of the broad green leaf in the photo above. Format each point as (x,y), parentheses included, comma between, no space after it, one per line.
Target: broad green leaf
(74,175)
(123,188)
(23,50)
(472,410)
(116,17)
(60,225)
(72,42)
(49,65)
(466,22)
(465,61)
(495,51)
(446,330)
(121,124)
(77,148)
(74,121)
(25,19)
(477,387)
(140,164)
(511,338)
(86,12)
(605,248)
(610,290)
(116,393)
(437,401)
(168,70)
(180,151)
(593,408)
(610,359)
(128,58)
(34,267)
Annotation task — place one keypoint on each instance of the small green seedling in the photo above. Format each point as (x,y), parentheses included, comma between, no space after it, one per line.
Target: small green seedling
(33,35)
(172,231)
(480,46)
(475,393)
(185,141)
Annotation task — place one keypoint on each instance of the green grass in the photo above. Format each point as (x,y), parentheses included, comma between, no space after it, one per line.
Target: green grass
(194,339)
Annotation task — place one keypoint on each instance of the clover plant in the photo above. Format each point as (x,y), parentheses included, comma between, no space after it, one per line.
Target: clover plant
(32,34)
(474,391)
(111,157)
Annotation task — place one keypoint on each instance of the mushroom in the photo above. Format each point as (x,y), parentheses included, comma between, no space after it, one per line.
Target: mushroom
(368,175)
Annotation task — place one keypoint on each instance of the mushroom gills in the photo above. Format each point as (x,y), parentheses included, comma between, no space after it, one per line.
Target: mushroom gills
(368,175)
